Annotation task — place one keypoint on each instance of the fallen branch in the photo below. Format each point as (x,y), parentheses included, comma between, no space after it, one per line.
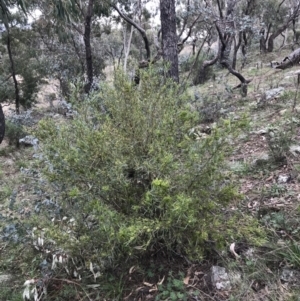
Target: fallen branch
(290,61)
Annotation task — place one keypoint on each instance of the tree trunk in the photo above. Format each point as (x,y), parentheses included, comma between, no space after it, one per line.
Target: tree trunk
(236,49)
(169,37)
(244,49)
(127,44)
(291,18)
(201,74)
(12,65)
(88,47)
(194,46)
(274,35)
(2,124)
(225,45)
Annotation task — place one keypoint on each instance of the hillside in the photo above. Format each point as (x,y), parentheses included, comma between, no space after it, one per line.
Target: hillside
(266,171)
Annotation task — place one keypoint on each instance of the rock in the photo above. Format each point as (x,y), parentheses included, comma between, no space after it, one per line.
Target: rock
(25,118)
(273,93)
(29,141)
(5,278)
(249,254)
(261,160)
(283,112)
(260,132)
(289,275)
(220,278)
(65,108)
(9,162)
(283,179)
(295,150)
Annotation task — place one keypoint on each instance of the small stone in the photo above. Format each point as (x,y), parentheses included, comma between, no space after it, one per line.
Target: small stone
(295,149)
(261,132)
(282,112)
(29,141)
(220,278)
(289,275)
(261,160)
(9,162)
(5,278)
(249,254)
(283,179)
(274,93)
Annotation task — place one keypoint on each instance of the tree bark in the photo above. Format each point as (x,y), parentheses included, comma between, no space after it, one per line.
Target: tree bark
(127,44)
(200,78)
(225,45)
(244,48)
(2,124)
(269,40)
(237,46)
(12,65)
(274,35)
(169,37)
(88,47)
(290,61)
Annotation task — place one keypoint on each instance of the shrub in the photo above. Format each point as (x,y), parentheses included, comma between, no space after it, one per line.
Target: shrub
(135,175)
(14,132)
(279,140)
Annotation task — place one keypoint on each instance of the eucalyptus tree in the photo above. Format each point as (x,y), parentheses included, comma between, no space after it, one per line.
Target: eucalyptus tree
(169,40)
(169,37)
(277,16)
(5,5)
(5,14)
(136,25)
(87,12)
(80,21)
(133,23)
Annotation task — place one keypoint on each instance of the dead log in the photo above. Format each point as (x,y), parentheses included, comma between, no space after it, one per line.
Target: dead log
(290,61)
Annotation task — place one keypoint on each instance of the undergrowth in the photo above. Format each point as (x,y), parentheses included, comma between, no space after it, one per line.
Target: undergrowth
(135,179)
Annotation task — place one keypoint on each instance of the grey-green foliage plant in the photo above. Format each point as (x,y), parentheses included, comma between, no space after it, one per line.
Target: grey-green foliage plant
(134,174)
(279,140)
(13,132)
(174,289)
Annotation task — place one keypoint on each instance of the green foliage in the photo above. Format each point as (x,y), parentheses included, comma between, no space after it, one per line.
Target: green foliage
(276,190)
(173,290)
(13,132)
(291,253)
(279,141)
(135,177)
(11,294)
(5,192)
(287,227)
(28,66)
